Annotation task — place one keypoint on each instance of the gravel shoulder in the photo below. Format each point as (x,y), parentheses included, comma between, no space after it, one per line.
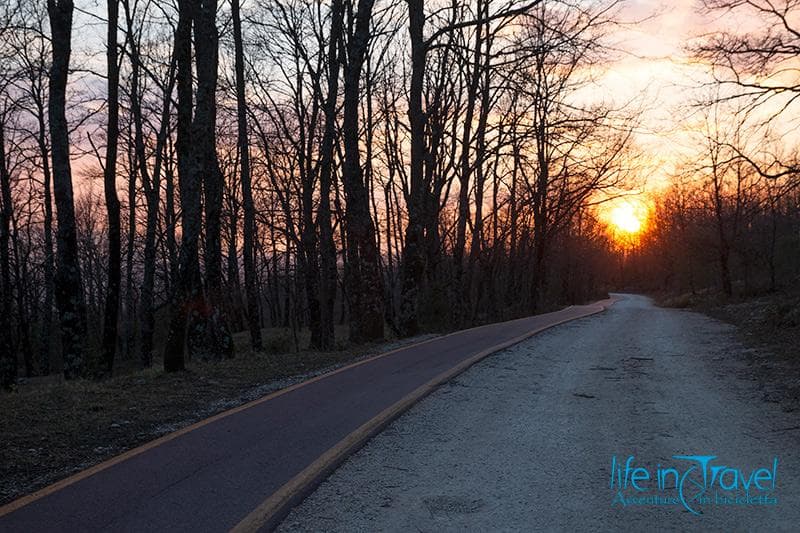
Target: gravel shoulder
(523,440)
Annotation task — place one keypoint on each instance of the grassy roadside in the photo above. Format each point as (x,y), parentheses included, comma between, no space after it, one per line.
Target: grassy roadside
(52,429)
(769,324)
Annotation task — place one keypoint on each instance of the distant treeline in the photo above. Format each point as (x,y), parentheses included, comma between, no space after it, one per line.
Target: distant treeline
(738,235)
(730,219)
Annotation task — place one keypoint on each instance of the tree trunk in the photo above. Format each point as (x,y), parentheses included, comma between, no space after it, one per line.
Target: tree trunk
(68,283)
(187,298)
(413,267)
(723,246)
(21,277)
(466,171)
(8,353)
(540,198)
(130,292)
(327,247)
(218,341)
(249,232)
(169,211)
(152,189)
(49,265)
(363,264)
(475,253)
(111,315)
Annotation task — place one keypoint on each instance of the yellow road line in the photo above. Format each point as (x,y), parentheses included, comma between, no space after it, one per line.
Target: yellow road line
(25,500)
(275,508)
(45,491)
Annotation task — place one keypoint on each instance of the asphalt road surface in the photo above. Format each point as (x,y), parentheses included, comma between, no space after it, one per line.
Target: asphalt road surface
(524,440)
(212,477)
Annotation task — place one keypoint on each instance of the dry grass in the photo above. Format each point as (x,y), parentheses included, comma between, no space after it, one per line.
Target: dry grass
(52,429)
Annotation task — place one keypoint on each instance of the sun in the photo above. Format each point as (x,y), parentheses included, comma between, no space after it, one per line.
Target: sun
(626,219)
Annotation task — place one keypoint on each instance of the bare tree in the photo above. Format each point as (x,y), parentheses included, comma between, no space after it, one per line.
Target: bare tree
(111,314)
(29,53)
(205,164)
(754,67)
(198,167)
(151,179)
(8,359)
(187,298)
(250,279)
(362,270)
(328,267)
(421,189)
(68,283)
(8,355)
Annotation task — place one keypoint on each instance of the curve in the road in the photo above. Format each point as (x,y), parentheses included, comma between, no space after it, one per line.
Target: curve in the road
(258,460)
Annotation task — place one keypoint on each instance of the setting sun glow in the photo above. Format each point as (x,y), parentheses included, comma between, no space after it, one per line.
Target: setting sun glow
(625,219)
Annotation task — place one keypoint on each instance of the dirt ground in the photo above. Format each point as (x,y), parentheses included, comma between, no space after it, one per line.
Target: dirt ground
(52,429)
(769,325)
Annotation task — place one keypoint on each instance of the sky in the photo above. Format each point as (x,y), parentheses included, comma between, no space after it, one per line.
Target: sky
(651,72)
(654,62)
(651,68)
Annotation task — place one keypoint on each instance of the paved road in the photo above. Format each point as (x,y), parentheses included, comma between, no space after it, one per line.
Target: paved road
(212,477)
(523,440)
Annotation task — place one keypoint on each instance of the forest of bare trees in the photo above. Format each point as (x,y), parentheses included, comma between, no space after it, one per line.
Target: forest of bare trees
(730,217)
(176,173)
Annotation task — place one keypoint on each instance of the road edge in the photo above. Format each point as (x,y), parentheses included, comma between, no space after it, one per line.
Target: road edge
(271,512)
(21,502)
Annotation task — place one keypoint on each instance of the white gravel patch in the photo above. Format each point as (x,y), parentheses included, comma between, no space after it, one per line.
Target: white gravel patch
(523,440)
